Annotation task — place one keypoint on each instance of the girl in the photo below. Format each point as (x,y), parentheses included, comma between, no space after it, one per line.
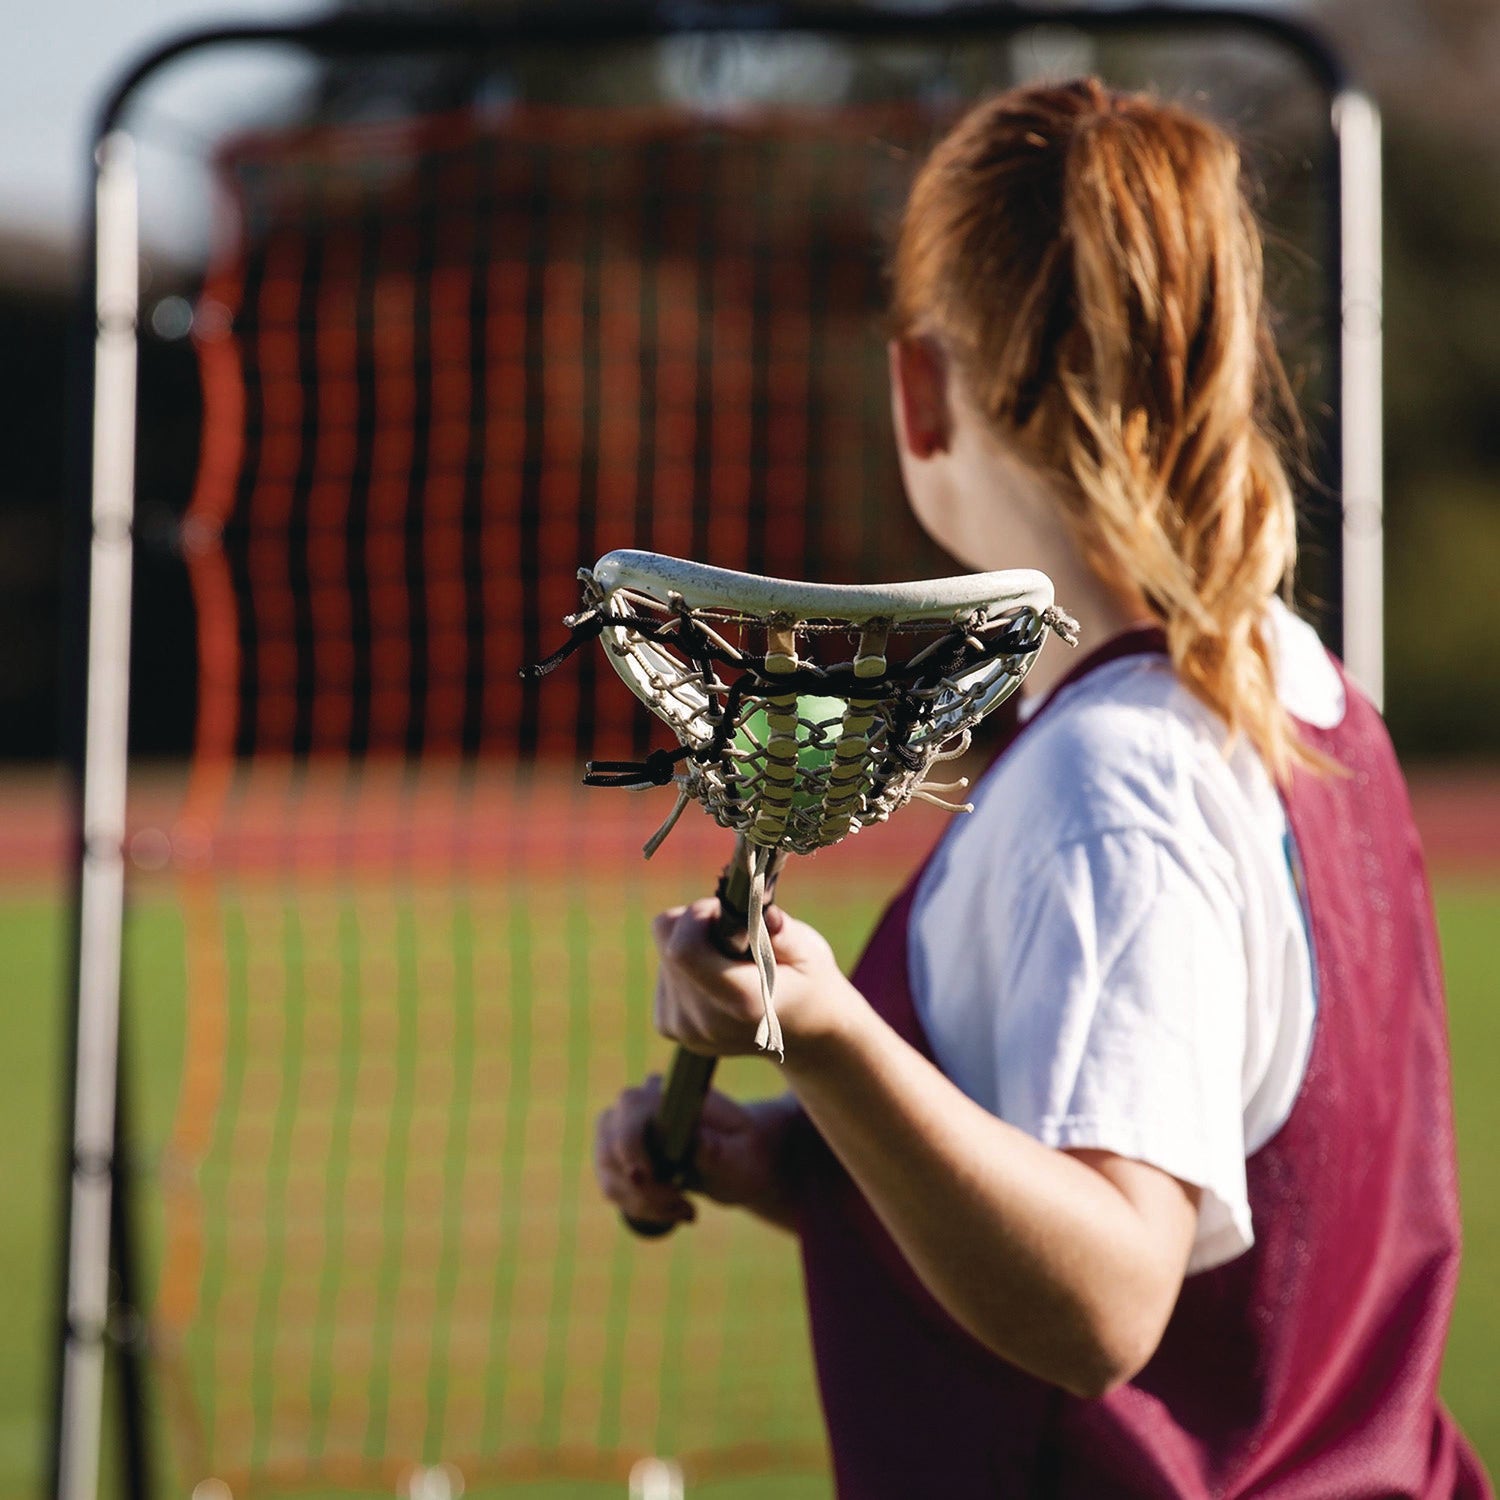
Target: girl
(1123,1164)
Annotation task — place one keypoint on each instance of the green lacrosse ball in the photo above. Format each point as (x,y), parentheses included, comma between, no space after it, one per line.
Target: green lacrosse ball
(755,732)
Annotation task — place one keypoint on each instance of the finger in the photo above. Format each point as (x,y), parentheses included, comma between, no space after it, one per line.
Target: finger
(641,1196)
(620,1130)
(641,1101)
(624,1149)
(692,949)
(690,930)
(799,945)
(646,1199)
(624,1164)
(633,1103)
(664,922)
(633,1112)
(676,1021)
(677,1025)
(661,1007)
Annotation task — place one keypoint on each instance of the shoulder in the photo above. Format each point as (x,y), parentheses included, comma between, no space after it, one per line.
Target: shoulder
(1128,746)
(1123,749)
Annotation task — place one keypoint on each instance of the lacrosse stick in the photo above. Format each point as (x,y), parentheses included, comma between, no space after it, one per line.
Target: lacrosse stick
(803,712)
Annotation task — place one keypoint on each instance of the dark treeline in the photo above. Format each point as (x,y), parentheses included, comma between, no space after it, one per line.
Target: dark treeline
(1434,67)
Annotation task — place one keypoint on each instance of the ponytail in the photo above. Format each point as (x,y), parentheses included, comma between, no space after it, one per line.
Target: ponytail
(1092,264)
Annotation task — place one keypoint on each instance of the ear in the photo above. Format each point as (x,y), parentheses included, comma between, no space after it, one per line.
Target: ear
(919,396)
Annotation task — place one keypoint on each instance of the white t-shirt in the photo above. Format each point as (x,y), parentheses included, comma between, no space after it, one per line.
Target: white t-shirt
(1110,953)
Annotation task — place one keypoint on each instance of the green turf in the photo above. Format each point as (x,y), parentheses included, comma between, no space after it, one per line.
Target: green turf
(1469,920)
(32,935)
(31,1048)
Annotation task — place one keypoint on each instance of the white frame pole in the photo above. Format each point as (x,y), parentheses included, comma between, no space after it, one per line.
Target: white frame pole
(1356,124)
(104,774)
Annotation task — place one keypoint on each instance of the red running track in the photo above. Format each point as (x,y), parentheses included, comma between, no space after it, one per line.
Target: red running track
(329,821)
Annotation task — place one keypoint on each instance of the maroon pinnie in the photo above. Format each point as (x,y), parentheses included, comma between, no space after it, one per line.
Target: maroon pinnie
(1306,1368)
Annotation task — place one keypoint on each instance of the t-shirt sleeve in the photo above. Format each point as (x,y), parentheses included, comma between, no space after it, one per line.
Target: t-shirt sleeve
(1120,1019)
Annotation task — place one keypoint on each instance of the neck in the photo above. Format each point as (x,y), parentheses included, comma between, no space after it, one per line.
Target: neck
(1100,611)
(1011,518)
(994,509)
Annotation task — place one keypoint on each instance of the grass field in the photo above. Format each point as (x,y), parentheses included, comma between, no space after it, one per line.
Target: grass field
(567,1316)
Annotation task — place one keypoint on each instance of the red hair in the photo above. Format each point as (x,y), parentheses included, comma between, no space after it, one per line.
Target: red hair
(1091,263)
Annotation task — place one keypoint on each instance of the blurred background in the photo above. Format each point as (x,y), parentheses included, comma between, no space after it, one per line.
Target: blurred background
(1433,66)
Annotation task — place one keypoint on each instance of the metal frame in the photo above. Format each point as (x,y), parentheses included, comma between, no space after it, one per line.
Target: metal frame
(101,881)
(1354,307)
(1356,123)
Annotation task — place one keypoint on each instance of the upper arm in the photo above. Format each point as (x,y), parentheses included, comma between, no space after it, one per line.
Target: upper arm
(1119,1029)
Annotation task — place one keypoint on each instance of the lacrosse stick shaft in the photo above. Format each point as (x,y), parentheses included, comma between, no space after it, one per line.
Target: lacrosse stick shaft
(672,1130)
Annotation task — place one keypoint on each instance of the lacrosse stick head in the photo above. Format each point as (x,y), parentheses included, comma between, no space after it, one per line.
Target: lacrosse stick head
(803,711)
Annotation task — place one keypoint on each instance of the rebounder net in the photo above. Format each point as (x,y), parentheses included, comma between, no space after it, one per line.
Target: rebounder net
(385,958)
(444,365)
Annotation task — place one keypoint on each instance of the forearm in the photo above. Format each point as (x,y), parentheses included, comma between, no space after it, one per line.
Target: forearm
(1037,1254)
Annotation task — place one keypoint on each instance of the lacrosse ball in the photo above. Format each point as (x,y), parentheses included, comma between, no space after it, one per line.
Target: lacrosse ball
(755,732)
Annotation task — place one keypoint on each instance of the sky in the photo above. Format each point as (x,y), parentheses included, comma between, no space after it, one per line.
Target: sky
(60,59)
